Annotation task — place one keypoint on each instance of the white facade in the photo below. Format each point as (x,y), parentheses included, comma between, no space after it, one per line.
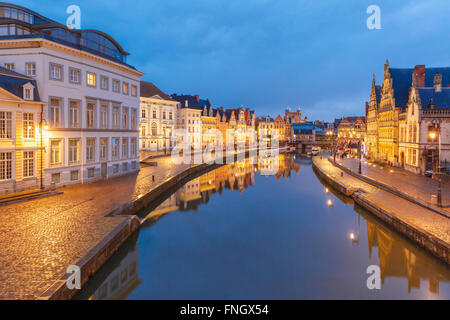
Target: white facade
(92,109)
(158,118)
(189,119)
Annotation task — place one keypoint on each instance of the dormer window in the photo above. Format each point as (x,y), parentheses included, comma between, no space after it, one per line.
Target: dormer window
(28,91)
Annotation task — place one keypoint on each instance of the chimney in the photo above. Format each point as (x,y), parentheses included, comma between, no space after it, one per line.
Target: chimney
(437,82)
(186,104)
(419,75)
(197,98)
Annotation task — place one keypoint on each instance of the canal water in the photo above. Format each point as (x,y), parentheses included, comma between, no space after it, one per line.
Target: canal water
(233,233)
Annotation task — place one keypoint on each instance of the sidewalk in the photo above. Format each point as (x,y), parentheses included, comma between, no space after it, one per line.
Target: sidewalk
(406,211)
(415,185)
(39,239)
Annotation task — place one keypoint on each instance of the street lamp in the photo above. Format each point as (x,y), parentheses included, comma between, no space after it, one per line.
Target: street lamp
(437,126)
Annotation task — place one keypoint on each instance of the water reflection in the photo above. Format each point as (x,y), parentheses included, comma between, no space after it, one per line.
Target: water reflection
(235,177)
(290,261)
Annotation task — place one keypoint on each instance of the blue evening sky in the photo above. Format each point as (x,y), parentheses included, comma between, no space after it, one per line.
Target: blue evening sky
(268,54)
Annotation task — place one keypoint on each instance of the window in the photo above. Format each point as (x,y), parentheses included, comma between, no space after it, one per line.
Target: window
(154,114)
(90,149)
(125,88)
(125,166)
(56,71)
(10,66)
(115,168)
(133,147)
(170,116)
(5,165)
(164,115)
(28,93)
(90,115)
(74,175)
(115,117)
(74,146)
(116,85)
(55,111)
(124,147)
(30,69)
(154,129)
(133,165)
(104,83)
(5,125)
(104,116)
(133,119)
(115,148)
(28,125)
(91,79)
(74,112)
(90,172)
(56,177)
(103,148)
(143,113)
(134,91)
(125,118)
(75,75)
(143,131)
(55,152)
(28,164)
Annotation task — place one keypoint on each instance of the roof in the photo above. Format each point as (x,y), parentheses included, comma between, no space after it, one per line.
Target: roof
(13,82)
(149,90)
(402,81)
(441,100)
(304,126)
(194,101)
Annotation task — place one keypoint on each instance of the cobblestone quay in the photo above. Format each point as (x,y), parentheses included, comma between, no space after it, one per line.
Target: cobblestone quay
(39,239)
(425,227)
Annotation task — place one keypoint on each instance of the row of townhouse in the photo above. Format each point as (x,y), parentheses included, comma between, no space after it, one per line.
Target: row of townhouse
(69,109)
(74,111)
(408,118)
(162,114)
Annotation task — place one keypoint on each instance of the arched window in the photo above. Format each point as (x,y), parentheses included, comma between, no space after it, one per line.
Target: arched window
(154,129)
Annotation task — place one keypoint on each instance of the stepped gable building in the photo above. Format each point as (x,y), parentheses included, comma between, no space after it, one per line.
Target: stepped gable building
(91,95)
(413,112)
(158,111)
(372,120)
(21,133)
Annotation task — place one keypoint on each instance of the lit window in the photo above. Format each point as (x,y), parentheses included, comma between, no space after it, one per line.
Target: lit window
(28,164)
(5,125)
(28,125)
(134,90)
(91,79)
(55,152)
(5,165)
(125,88)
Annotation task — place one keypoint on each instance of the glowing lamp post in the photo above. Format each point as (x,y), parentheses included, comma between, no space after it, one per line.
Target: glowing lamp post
(432,135)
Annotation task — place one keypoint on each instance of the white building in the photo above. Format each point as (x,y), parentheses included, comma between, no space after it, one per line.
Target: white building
(189,118)
(158,113)
(92,95)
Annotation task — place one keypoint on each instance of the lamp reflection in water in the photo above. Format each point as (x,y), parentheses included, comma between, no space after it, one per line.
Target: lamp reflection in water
(355,238)
(330,203)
